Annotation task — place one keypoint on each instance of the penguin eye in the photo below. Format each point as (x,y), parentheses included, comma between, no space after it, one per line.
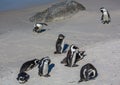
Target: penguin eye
(37,61)
(101,10)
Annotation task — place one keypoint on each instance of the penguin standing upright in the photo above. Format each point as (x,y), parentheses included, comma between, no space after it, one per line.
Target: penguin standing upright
(44,67)
(71,56)
(105,18)
(59,44)
(88,72)
(38,27)
(79,56)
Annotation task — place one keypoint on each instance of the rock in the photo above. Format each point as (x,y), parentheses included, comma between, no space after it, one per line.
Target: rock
(58,11)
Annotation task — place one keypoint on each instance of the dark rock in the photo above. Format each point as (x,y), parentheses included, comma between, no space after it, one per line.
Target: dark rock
(58,11)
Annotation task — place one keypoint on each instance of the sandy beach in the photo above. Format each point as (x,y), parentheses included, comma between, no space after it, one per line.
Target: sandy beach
(18,44)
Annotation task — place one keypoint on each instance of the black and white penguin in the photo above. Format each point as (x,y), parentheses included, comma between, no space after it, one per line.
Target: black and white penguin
(29,65)
(79,56)
(60,44)
(71,56)
(44,66)
(23,77)
(105,18)
(88,72)
(38,27)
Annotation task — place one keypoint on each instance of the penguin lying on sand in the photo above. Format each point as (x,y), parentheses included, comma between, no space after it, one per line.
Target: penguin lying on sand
(38,27)
(29,65)
(88,72)
(23,76)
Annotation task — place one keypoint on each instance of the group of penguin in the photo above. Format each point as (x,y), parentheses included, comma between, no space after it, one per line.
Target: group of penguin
(74,55)
(44,68)
(87,72)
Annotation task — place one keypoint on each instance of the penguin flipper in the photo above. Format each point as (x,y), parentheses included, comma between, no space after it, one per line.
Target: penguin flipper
(51,67)
(47,75)
(65,48)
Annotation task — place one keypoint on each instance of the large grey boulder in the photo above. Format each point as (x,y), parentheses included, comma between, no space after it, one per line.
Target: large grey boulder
(58,11)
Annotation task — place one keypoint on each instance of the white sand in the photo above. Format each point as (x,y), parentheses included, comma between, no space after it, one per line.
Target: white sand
(101,42)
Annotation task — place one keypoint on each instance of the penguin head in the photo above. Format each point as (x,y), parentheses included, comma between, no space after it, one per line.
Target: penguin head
(46,62)
(36,61)
(61,36)
(73,47)
(102,9)
(22,77)
(37,25)
(47,59)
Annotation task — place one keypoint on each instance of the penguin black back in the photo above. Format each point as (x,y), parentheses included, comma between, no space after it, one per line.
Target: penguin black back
(29,65)
(60,44)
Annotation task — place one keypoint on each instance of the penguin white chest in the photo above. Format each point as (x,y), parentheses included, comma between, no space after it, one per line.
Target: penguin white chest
(73,58)
(45,68)
(105,16)
(62,46)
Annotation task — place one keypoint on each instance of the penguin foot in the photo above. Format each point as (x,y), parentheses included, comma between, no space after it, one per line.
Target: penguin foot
(80,80)
(67,65)
(75,65)
(107,22)
(72,65)
(40,74)
(47,75)
(57,52)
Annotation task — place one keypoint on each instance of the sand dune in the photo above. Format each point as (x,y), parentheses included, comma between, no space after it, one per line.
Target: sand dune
(101,42)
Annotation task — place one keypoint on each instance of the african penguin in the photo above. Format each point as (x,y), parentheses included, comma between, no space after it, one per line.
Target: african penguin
(105,18)
(23,77)
(79,56)
(29,65)
(59,44)
(71,56)
(38,27)
(88,72)
(44,67)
